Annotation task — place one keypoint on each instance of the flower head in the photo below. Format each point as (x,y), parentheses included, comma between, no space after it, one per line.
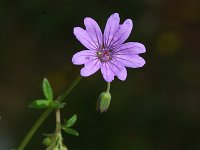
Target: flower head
(108,51)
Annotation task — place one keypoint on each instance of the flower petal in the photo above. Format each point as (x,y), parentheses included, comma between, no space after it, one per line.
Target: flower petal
(84,38)
(111,28)
(107,73)
(83,57)
(112,68)
(130,48)
(132,61)
(122,75)
(122,33)
(118,69)
(93,31)
(90,68)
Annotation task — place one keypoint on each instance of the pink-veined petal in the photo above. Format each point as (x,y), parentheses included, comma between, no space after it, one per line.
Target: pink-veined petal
(83,57)
(118,69)
(90,68)
(132,61)
(130,48)
(112,68)
(84,38)
(107,73)
(122,75)
(122,33)
(111,28)
(93,31)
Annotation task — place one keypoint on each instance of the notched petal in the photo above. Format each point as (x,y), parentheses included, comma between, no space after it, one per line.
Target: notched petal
(130,48)
(90,68)
(93,31)
(83,57)
(107,73)
(111,28)
(132,61)
(118,69)
(84,38)
(122,74)
(122,33)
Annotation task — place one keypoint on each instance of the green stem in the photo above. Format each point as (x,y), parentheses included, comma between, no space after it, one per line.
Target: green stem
(108,87)
(45,114)
(58,122)
(69,89)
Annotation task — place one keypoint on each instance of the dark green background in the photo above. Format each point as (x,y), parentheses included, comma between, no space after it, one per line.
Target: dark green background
(156,108)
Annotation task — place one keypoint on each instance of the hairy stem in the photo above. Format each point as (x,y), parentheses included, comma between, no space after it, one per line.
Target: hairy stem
(45,114)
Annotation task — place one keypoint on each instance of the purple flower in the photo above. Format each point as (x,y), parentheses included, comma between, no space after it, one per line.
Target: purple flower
(108,51)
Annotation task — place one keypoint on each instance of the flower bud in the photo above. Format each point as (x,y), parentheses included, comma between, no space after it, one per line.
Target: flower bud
(103,101)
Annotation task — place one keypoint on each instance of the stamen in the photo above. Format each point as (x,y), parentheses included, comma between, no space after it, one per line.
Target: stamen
(104,55)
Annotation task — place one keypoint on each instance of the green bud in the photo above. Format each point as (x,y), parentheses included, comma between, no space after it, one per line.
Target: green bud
(103,101)
(47,141)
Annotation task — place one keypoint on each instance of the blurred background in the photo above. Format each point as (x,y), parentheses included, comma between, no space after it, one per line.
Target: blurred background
(156,108)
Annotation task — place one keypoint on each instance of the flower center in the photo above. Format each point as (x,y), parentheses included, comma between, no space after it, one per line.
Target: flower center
(104,55)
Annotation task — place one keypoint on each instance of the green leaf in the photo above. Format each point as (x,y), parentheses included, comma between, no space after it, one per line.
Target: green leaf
(47,90)
(39,104)
(71,121)
(71,131)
